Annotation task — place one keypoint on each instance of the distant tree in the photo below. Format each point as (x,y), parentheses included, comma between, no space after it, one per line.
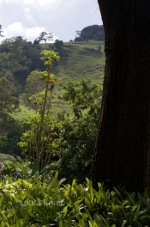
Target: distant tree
(58,45)
(78,39)
(18,58)
(44,36)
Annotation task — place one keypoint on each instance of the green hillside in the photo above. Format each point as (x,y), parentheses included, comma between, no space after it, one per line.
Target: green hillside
(85,60)
(19,58)
(82,60)
(78,60)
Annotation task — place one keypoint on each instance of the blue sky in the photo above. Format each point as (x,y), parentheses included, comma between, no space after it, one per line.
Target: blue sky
(28,18)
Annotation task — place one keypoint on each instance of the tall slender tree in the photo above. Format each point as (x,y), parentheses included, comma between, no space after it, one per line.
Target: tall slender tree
(122,152)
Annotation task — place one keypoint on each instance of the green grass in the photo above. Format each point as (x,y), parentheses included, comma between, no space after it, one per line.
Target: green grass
(82,62)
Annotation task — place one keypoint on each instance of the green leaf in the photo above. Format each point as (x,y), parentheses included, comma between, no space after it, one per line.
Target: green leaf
(35,167)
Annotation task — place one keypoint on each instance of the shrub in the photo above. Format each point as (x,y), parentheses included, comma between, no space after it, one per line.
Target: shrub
(34,202)
(78,130)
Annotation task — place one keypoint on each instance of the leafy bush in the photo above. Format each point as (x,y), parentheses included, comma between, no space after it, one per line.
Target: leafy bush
(10,132)
(39,141)
(34,202)
(78,130)
(16,169)
(65,142)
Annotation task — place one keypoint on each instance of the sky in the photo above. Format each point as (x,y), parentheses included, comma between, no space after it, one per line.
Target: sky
(62,18)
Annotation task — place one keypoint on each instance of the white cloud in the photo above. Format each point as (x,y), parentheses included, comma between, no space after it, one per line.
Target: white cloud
(48,2)
(26,2)
(18,29)
(14,29)
(29,33)
(60,17)
(32,33)
(28,15)
(31,2)
(17,1)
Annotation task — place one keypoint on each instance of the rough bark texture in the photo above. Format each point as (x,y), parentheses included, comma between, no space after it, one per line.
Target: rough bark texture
(122,153)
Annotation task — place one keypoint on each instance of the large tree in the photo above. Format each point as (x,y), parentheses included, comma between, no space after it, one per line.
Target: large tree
(122,153)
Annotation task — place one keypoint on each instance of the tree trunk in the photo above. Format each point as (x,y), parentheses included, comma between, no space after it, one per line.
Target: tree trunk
(122,152)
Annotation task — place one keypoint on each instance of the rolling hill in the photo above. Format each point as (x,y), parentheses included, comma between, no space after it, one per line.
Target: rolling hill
(78,60)
(81,60)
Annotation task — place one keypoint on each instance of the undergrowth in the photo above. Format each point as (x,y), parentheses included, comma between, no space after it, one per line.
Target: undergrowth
(43,200)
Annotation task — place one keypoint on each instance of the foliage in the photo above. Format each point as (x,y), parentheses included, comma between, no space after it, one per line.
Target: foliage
(58,46)
(30,202)
(69,139)
(34,83)
(9,157)
(18,58)
(8,97)
(38,146)
(78,130)
(38,142)
(16,169)
(10,132)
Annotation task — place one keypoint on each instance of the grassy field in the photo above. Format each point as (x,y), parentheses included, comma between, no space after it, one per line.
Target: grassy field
(84,61)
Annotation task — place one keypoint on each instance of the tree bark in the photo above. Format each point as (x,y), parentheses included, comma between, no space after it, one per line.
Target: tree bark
(122,152)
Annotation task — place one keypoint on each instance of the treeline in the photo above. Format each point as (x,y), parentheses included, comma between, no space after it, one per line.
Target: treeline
(18,58)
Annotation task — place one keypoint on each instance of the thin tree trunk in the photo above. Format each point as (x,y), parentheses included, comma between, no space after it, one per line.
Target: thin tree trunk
(42,115)
(122,153)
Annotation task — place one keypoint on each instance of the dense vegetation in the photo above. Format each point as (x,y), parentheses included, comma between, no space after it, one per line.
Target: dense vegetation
(48,123)
(65,142)
(20,63)
(18,58)
(43,200)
